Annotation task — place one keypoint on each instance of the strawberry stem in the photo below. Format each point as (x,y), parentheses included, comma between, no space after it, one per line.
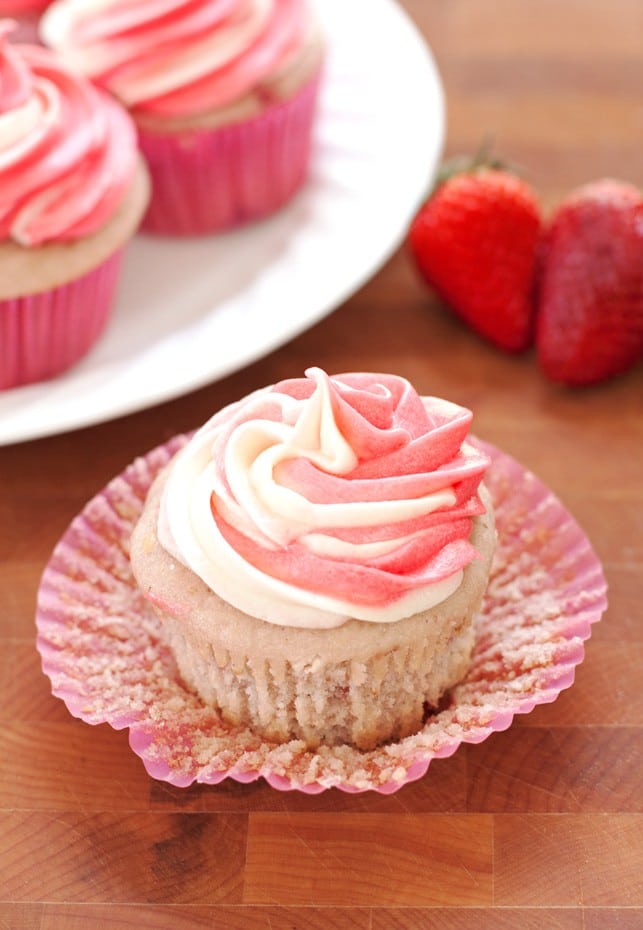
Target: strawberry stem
(467,164)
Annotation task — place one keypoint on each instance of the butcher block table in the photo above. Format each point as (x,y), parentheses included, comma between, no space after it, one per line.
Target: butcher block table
(539,826)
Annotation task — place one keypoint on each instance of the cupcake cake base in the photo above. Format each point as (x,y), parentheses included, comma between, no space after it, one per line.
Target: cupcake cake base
(56,298)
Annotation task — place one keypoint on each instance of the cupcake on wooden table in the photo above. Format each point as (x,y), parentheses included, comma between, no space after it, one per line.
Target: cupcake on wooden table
(223,93)
(317,553)
(73,190)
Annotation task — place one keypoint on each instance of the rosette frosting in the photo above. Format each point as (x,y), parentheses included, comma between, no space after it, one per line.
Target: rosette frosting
(173,58)
(323,499)
(67,151)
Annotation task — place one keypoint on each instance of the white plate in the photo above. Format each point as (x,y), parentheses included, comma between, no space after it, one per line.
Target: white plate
(191,311)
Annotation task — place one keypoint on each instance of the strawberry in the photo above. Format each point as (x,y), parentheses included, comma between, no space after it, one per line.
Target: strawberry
(590,314)
(476,241)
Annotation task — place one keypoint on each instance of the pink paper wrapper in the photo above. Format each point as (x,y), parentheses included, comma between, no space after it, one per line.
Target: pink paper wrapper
(209,180)
(102,647)
(43,334)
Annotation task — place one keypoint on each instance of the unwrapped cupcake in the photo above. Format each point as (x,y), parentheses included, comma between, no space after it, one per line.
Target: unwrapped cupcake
(317,553)
(73,190)
(223,93)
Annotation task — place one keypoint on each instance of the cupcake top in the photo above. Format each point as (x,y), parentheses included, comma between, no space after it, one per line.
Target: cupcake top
(172,58)
(323,499)
(67,152)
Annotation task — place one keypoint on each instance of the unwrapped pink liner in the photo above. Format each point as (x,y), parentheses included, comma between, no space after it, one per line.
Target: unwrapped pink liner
(102,646)
(43,334)
(213,179)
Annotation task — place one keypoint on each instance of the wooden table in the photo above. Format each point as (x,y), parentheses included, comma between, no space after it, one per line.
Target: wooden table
(539,826)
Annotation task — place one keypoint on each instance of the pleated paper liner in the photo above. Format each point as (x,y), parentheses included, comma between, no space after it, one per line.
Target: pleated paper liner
(209,180)
(102,647)
(43,334)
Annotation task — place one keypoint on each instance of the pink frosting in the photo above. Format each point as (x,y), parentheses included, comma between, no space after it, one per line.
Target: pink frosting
(21,7)
(67,151)
(405,449)
(176,57)
(352,488)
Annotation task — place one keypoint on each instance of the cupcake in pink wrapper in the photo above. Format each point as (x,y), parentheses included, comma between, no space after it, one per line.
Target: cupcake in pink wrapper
(317,554)
(223,94)
(104,648)
(73,190)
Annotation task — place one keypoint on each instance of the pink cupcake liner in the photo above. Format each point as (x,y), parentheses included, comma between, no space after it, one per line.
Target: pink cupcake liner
(103,650)
(43,334)
(208,180)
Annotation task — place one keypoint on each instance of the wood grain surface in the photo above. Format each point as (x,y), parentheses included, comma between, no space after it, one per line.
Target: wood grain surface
(540,826)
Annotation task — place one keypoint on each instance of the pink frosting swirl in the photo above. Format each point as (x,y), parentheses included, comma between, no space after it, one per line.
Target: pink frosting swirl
(67,152)
(327,498)
(170,58)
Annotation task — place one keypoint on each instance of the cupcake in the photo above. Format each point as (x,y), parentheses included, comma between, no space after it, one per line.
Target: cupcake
(317,553)
(223,94)
(73,190)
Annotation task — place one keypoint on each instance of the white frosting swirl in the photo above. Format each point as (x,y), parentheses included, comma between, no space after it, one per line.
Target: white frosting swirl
(278,505)
(177,57)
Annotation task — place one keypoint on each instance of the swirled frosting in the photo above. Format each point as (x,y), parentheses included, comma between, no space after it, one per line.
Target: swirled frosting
(323,499)
(67,152)
(170,58)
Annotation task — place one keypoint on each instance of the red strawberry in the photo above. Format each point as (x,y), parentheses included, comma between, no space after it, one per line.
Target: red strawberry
(475,241)
(590,317)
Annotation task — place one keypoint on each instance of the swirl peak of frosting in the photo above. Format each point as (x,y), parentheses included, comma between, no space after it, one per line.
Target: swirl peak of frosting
(67,152)
(323,499)
(171,58)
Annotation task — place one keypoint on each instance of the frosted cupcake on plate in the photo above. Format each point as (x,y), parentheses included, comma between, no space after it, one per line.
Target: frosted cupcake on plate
(317,553)
(73,190)
(223,93)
